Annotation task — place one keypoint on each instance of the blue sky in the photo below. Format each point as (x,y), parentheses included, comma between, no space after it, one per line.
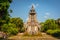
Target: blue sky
(45,9)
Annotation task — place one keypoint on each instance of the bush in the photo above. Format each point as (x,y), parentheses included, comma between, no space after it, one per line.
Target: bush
(10,28)
(44,28)
(22,30)
(13,31)
(55,33)
(49,24)
(50,32)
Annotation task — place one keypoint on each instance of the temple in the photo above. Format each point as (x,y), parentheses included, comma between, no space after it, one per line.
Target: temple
(32,26)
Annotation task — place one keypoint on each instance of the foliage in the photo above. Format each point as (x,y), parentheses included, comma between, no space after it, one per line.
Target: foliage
(10,28)
(55,33)
(18,22)
(58,22)
(51,27)
(23,29)
(7,24)
(4,6)
(49,24)
(4,13)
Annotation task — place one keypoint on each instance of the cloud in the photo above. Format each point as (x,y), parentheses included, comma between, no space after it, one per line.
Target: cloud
(47,15)
(37,4)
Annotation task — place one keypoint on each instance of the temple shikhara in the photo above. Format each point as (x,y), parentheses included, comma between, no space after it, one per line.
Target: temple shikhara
(32,26)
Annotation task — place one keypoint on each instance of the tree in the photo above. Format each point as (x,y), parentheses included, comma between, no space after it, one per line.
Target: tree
(4,6)
(49,24)
(58,22)
(10,28)
(18,22)
(4,13)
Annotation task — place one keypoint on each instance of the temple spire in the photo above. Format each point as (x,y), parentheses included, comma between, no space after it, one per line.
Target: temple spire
(32,9)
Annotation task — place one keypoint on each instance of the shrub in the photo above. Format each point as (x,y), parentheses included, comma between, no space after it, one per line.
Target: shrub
(55,33)
(49,24)
(50,32)
(22,30)
(10,28)
(13,31)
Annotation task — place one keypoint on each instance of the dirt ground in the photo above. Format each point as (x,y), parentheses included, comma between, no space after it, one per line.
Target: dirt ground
(43,37)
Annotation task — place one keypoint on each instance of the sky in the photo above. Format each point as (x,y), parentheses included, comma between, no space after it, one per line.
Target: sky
(45,9)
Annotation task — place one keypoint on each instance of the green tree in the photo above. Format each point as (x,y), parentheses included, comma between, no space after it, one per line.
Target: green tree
(18,22)
(4,13)
(49,24)
(10,28)
(4,6)
(58,22)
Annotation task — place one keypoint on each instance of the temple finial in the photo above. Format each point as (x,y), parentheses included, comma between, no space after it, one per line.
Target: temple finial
(32,9)
(32,6)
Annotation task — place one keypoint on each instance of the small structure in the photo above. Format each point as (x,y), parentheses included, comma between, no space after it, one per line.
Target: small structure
(32,26)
